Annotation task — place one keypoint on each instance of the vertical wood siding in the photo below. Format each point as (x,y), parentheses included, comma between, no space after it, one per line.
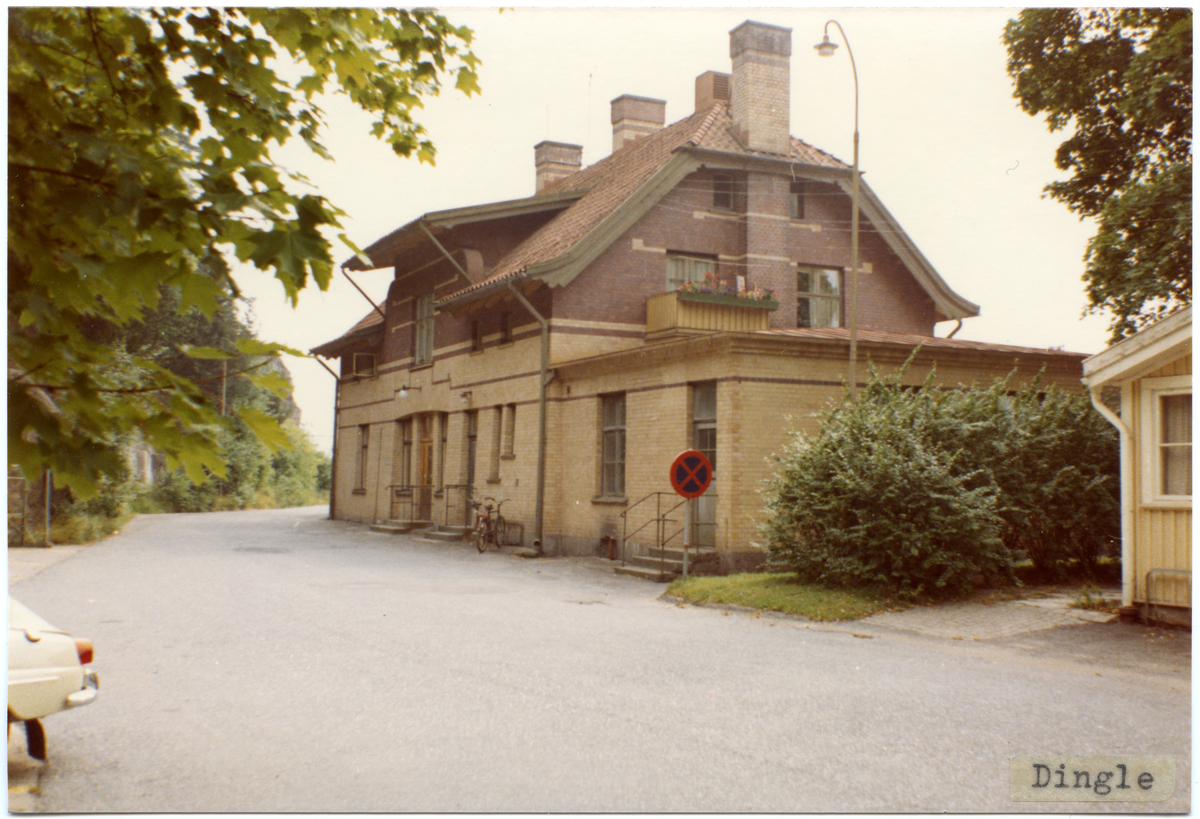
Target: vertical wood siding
(1162,537)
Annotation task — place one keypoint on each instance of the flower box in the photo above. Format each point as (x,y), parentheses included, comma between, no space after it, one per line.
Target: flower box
(729,299)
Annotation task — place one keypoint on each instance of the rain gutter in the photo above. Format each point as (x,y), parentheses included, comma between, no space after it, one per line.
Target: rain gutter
(1126,438)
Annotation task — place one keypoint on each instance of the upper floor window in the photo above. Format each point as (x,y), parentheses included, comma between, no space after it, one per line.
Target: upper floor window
(722,191)
(818,297)
(423,343)
(797,199)
(506,330)
(683,269)
(476,335)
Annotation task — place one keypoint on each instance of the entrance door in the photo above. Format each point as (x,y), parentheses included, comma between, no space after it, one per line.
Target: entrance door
(424,486)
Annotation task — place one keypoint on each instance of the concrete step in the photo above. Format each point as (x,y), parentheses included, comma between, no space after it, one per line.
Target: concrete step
(654,575)
(444,534)
(400,527)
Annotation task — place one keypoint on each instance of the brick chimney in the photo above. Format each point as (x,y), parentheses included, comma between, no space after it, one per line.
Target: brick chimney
(554,160)
(711,87)
(760,88)
(635,117)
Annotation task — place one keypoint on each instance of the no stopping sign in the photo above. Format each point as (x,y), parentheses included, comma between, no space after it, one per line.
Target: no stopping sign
(691,473)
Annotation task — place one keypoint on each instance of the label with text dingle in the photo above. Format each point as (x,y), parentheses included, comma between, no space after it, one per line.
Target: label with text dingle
(1058,778)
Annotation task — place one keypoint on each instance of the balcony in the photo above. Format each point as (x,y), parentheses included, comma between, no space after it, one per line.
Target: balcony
(681,313)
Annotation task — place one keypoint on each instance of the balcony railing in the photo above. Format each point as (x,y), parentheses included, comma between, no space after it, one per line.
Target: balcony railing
(675,312)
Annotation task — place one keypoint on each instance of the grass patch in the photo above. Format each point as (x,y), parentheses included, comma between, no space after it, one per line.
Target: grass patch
(781,592)
(1091,598)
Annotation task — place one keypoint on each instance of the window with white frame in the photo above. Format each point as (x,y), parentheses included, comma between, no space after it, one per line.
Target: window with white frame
(818,297)
(423,341)
(1166,439)
(683,269)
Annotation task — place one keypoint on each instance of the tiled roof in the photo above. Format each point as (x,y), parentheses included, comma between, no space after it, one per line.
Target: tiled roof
(614,179)
(912,340)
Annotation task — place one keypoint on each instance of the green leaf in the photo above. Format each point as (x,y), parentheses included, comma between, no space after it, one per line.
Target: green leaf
(192,351)
(266,428)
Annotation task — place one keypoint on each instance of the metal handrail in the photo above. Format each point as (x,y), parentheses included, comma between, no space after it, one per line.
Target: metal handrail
(401,495)
(660,519)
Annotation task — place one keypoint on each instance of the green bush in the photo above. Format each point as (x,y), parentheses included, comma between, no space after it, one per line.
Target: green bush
(922,492)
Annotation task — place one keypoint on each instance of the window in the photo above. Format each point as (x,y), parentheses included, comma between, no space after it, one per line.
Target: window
(684,269)
(510,430)
(612,445)
(704,420)
(404,468)
(1166,435)
(360,464)
(704,439)
(476,336)
(497,422)
(797,199)
(423,342)
(506,330)
(1175,444)
(722,191)
(364,364)
(818,297)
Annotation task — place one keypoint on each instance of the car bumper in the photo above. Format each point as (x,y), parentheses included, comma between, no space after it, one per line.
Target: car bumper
(91,688)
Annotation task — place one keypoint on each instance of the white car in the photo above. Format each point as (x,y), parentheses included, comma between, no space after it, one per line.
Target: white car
(48,671)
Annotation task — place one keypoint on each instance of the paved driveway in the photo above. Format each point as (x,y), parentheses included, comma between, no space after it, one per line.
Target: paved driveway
(278,661)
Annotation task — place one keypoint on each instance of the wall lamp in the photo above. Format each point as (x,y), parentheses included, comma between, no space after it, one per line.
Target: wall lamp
(404,391)
(466,398)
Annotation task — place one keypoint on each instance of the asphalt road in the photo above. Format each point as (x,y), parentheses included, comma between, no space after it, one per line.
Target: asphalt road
(278,661)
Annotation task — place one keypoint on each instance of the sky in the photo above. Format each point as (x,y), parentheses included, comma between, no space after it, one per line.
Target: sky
(943,144)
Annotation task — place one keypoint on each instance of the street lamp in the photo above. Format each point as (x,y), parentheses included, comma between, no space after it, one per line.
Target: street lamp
(826,49)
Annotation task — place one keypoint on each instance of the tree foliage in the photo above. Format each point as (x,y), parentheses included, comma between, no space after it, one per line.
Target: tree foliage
(139,155)
(920,492)
(1121,81)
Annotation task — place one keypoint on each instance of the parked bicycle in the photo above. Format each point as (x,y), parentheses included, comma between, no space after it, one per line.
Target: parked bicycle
(489,523)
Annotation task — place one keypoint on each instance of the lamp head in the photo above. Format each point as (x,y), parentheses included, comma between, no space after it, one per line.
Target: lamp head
(825,48)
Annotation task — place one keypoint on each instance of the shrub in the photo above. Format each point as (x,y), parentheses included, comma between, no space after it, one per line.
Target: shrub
(872,501)
(923,491)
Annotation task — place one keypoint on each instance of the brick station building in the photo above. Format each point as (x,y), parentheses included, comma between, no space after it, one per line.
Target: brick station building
(539,350)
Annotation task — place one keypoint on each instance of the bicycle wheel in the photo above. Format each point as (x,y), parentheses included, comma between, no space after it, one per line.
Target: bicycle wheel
(480,538)
(500,530)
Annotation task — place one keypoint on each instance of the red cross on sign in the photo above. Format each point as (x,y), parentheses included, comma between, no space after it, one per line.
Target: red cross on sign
(691,473)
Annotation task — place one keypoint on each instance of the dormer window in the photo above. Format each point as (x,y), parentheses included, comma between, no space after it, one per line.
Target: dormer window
(796,195)
(722,191)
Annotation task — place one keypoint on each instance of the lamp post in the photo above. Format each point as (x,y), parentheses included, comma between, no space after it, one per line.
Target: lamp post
(826,49)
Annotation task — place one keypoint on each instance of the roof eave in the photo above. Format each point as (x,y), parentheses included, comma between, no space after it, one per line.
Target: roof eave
(1143,352)
(441,220)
